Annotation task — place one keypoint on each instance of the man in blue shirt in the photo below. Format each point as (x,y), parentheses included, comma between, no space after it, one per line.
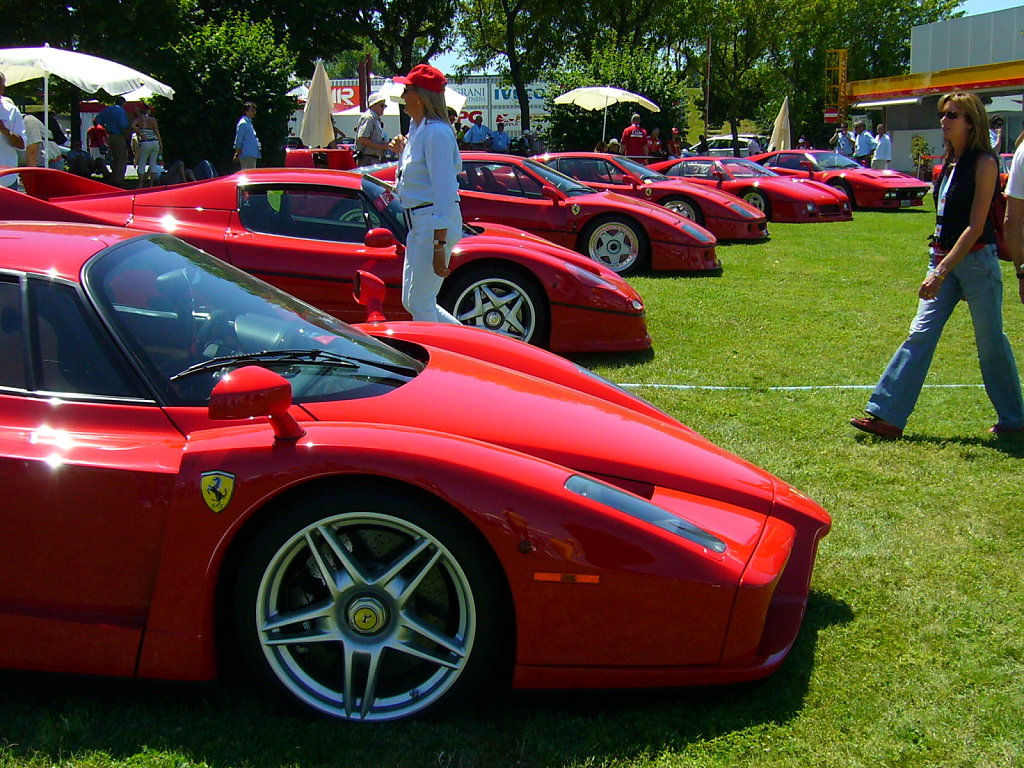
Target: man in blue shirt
(478,134)
(500,141)
(115,119)
(247,145)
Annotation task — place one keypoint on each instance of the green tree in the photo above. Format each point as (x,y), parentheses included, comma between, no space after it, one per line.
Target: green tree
(406,32)
(519,37)
(572,128)
(228,63)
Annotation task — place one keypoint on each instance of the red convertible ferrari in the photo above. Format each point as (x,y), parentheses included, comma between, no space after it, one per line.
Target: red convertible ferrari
(308,231)
(782,198)
(864,187)
(721,213)
(379,521)
(618,232)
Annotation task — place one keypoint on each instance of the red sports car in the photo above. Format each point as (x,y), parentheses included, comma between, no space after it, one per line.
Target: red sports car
(865,187)
(782,198)
(1004,169)
(720,213)
(308,231)
(377,521)
(618,232)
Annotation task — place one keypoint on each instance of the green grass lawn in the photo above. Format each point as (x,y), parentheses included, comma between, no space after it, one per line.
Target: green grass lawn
(912,653)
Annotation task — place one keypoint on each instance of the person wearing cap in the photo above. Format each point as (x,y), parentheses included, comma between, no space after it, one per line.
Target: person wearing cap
(370,141)
(428,191)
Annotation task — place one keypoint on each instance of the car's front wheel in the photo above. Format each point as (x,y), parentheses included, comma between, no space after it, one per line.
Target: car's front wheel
(369,604)
(842,186)
(684,206)
(617,243)
(499,299)
(759,200)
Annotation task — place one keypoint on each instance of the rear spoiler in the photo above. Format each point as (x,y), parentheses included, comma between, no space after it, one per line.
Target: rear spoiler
(48,183)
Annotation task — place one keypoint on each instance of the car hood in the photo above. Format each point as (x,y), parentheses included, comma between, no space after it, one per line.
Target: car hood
(458,395)
(801,188)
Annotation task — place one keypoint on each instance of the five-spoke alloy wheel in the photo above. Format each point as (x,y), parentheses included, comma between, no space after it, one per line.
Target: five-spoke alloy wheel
(368,606)
(498,299)
(616,243)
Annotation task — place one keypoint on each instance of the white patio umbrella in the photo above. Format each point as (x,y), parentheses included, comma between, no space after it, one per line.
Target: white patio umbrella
(600,97)
(781,138)
(393,91)
(89,73)
(317,127)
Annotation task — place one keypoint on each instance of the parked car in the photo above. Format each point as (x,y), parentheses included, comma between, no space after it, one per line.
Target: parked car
(781,198)
(618,232)
(307,231)
(719,212)
(1005,159)
(377,524)
(722,146)
(864,187)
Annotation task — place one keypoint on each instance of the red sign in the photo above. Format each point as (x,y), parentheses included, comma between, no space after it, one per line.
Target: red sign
(831,115)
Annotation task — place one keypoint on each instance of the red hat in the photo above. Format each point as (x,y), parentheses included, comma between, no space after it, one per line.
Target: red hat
(424,76)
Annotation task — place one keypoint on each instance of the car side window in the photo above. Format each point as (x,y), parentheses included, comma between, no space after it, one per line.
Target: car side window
(12,345)
(696,170)
(788,161)
(73,354)
(595,170)
(523,184)
(334,215)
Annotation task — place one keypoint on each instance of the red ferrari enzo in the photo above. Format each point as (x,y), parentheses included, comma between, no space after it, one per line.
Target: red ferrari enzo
(379,521)
(782,198)
(308,231)
(618,232)
(721,213)
(864,187)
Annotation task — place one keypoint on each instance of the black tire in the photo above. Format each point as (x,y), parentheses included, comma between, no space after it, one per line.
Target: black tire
(685,206)
(498,298)
(843,187)
(410,620)
(759,200)
(616,242)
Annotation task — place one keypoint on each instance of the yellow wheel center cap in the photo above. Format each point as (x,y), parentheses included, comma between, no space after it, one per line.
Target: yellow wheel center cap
(367,615)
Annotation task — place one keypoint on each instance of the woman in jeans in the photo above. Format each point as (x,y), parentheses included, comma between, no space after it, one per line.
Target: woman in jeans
(963,265)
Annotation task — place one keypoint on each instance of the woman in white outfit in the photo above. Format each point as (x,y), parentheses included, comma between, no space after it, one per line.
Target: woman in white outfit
(428,191)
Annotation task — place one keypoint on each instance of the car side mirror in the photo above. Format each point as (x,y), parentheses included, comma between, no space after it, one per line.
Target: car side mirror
(368,290)
(252,391)
(551,194)
(632,180)
(808,166)
(380,238)
(718,175)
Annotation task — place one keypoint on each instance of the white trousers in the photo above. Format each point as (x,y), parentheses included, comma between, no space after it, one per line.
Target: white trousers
(420,284)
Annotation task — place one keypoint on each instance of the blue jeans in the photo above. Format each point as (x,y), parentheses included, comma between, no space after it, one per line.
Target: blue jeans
(978,279)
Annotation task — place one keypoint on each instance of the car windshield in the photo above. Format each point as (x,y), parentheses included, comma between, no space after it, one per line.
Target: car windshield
(745,169)
(642,172)
(560,181)
(188,318)
(828,161)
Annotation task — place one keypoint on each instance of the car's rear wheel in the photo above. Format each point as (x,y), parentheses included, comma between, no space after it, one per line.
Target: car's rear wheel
(684,206)
(369,605)
(499,299)
(759,200)
(617,243)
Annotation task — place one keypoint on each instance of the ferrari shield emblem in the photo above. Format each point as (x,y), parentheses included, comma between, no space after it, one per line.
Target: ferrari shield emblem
(217,488)
(575,209)
(648,191)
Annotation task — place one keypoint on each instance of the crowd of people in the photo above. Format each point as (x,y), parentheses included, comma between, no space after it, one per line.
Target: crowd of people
(869,150)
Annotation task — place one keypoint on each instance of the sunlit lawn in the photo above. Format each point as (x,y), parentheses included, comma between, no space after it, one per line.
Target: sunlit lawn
(912,653)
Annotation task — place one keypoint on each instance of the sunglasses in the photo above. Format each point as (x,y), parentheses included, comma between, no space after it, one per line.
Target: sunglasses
(948,115)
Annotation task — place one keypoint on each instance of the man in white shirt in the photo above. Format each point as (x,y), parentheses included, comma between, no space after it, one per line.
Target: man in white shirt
(1015,216)
(12,134)
(478,136)
(883,148)
(863,144)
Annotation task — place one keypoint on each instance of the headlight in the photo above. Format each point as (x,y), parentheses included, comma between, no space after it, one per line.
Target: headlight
(595,281)
(890,194)
(811,207)
(743,211)
(644,510)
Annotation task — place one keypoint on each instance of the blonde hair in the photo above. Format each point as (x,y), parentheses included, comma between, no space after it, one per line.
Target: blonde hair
(434,107)
(973,111)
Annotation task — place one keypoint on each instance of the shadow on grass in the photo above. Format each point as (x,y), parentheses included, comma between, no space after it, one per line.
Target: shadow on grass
(48,719)
(614,359)
(1011,445)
